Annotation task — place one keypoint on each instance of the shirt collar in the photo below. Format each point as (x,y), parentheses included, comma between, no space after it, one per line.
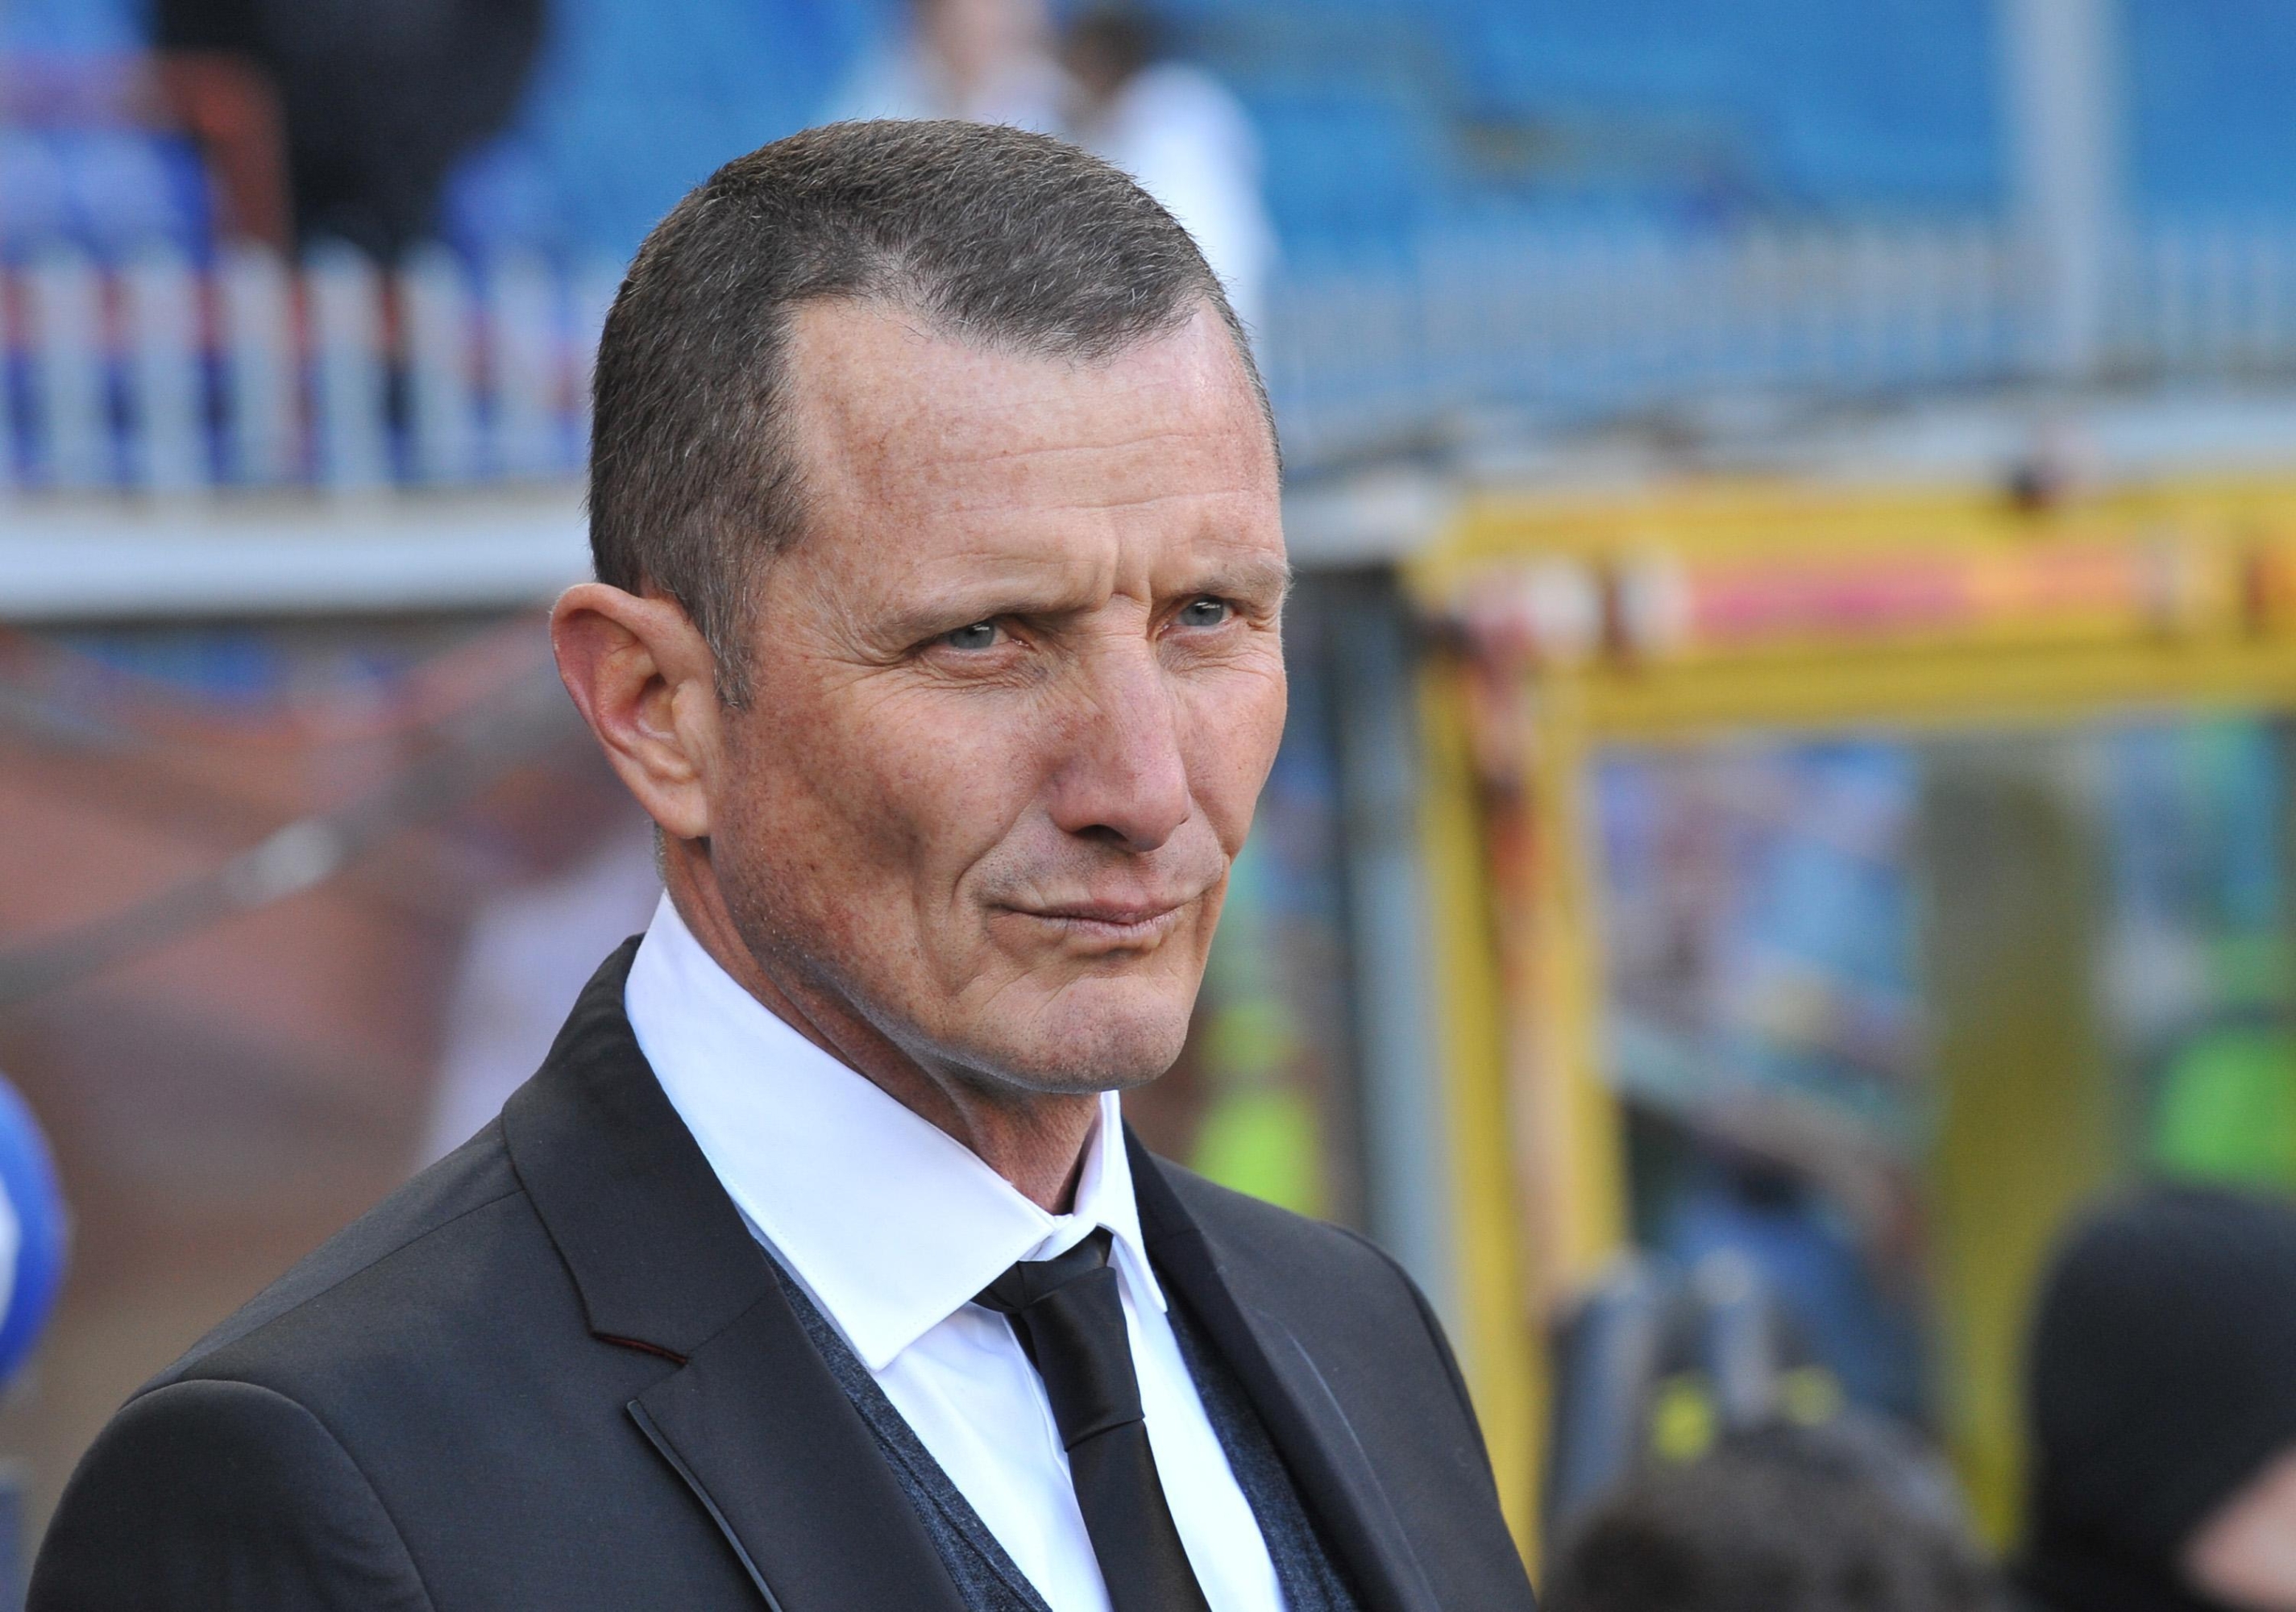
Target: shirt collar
(890,1222)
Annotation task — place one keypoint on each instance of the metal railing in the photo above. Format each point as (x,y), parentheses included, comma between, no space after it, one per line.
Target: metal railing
(158,377)
(1587,323)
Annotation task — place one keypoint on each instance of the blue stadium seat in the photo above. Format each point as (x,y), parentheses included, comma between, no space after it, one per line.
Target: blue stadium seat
(1380,116)
(108,192)
(639,100)
(2210,133)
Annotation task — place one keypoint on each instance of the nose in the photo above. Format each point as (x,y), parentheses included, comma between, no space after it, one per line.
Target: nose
(1123,780)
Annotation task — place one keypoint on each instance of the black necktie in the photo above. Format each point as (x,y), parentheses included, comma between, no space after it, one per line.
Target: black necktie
(1070,1319)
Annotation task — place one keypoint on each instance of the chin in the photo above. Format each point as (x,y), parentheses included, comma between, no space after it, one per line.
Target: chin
(1088,1044)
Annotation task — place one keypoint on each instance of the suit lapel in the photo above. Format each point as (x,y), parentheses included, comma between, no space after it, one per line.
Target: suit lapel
(821,1526)
(750,1421)
(1310,1430)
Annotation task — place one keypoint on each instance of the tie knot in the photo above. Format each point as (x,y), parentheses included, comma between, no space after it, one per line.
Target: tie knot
(1031,1280)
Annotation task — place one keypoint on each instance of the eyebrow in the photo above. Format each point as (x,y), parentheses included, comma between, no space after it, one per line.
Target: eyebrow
(1249,573)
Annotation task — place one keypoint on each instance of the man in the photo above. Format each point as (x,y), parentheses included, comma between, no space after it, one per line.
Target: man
(2160,1409)
(935,514)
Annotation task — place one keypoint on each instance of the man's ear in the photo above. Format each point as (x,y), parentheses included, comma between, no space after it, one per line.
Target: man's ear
(643,677)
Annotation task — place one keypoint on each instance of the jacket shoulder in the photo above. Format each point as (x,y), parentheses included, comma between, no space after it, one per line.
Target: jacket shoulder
(460,1200)
(1265,1233)
(278,1515)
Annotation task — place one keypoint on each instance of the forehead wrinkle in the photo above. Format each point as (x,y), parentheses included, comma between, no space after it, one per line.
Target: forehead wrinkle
(1064,448)
(1009,479)
(1135,471)
(1113,510)
(877,421)
(983,437)
(994,567)
(1114,506)
(890,450)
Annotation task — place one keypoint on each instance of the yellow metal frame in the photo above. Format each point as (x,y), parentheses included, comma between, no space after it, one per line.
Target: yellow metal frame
(1540,1188)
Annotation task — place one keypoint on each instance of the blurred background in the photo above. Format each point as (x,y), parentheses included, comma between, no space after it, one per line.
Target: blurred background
(1788,789)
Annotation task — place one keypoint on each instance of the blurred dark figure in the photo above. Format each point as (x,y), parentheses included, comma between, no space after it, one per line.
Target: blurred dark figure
(1851,1517)
(2161,1397)
(376,100)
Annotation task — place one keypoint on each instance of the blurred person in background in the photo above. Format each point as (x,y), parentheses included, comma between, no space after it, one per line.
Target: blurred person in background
(1106,84)
(1852,1516)
(2161,1403)
(983,61)
(1179,131)
(592,885)
(1835,1252)
(377,100)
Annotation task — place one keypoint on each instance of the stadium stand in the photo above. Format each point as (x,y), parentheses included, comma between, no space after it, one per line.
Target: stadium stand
(1517,206)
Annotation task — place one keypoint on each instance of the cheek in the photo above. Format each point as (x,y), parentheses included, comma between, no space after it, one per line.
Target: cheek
(1234,726)
(908,790)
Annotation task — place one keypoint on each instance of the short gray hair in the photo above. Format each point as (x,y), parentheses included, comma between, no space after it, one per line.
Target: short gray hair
(1012,240)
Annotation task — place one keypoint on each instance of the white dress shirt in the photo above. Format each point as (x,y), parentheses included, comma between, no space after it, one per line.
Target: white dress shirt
(891,1226)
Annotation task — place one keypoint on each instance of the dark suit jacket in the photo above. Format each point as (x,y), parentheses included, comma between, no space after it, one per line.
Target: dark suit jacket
(555,1371)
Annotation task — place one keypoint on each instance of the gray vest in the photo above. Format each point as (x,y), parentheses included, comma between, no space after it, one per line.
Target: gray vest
(986,1577)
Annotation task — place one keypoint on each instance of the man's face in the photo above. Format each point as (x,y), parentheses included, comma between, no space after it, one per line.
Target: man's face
(1014,693)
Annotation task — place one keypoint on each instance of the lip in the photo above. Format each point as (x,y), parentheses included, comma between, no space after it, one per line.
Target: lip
(1110,923)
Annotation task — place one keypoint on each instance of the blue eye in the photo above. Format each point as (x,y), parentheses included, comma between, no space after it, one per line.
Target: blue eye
(1204,612)
(980,635)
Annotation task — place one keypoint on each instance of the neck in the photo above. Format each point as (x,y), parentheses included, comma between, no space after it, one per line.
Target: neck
(1035,1139)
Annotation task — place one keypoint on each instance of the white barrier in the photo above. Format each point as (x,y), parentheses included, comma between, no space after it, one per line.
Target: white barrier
(155,378)
(351,380)
(1602,322)
(158,378)
(166,435)
(258,361)
(63,314)
(442,371)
